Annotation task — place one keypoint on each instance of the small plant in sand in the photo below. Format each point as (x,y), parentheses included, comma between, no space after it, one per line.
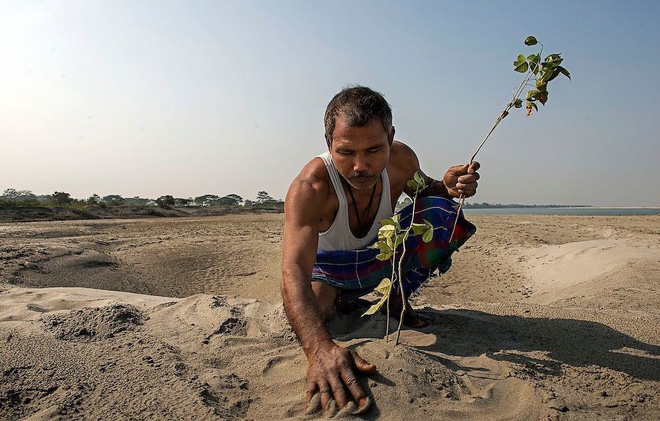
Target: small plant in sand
(543,72)
(391,235)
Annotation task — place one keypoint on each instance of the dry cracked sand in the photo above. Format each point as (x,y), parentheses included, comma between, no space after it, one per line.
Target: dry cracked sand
(540,317)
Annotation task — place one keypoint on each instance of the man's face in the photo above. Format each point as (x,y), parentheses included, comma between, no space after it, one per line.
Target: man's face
(360,153)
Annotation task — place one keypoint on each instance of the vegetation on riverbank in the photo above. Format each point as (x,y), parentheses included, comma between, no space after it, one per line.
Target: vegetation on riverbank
(23,205)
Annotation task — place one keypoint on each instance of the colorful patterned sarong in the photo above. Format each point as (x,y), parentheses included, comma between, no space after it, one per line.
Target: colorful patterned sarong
(358,272)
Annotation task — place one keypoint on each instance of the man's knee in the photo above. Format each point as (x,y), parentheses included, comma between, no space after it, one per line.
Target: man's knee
(326,299)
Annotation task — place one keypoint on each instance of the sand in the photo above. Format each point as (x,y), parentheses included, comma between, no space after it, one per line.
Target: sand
(541,317)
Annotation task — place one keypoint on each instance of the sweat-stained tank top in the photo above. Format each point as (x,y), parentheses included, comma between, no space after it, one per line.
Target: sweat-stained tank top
(339,235)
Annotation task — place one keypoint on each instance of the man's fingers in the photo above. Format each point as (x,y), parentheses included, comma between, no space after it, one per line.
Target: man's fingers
(338,391)
(355,388)
(461,187)
(312,399)
(469,178)
(314,404)
(331,409)
(326,394)
(364,406)
(465,168)
(458,169)
(362,365)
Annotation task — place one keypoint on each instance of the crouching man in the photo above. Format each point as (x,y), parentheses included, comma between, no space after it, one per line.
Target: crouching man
(332,211)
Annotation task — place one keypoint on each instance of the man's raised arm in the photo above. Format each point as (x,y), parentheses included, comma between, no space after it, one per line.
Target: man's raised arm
(458,180)
(329,366)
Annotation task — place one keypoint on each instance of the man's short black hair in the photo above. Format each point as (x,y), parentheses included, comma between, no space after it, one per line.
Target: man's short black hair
(359,105)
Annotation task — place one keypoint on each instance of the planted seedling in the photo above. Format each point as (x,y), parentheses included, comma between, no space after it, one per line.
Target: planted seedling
(391,235)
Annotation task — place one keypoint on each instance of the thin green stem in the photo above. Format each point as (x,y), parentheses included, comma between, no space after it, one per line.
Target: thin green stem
(387,322)
(502,115)
(403,253)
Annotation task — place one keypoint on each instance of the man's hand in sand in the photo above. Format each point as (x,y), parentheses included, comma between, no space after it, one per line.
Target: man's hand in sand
(462,180)
(332,383)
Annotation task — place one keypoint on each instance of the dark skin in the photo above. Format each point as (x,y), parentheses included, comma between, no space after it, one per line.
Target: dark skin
(360,155)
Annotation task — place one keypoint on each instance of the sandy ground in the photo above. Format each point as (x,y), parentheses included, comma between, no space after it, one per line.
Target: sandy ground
(541,317)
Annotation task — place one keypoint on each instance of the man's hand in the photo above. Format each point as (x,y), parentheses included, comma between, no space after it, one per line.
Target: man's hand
(462,180)
(331,376)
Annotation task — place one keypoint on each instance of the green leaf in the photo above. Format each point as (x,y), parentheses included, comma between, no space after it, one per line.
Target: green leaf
(517,103)
(520,60)
(418,228)
(553,58)
(554,74)
(384,287)
(531,93)
(548,75)
(412,184)
(564,72)
(396,218)
(428,235)
(386,221)
(383,256)
(522,68)
(530,40)
(534,60)
(418,178)
(400,239)
(384,248)
(542,97)
(374,308)
(387,230)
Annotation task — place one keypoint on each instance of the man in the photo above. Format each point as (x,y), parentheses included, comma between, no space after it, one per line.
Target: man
(333,206)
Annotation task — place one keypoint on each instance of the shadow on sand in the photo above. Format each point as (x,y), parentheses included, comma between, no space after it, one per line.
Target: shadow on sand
(577,343)
(466,333)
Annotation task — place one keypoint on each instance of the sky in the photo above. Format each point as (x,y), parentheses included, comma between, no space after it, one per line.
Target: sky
(148,98)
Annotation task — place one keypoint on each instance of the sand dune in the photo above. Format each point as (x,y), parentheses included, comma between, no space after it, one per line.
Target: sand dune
(540,318)
(580,268)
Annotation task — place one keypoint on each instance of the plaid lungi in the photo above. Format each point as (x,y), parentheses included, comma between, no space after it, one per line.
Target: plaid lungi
(358,272)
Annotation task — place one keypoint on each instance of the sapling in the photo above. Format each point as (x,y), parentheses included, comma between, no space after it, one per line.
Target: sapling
(391,235)
(544,72)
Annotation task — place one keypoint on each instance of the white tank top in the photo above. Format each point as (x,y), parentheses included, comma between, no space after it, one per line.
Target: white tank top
(339,236)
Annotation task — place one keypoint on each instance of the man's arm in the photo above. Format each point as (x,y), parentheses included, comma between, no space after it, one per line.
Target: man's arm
(458,180)
(299,253)
(329,366)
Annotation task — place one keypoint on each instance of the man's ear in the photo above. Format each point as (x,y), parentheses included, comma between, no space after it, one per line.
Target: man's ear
(390,137)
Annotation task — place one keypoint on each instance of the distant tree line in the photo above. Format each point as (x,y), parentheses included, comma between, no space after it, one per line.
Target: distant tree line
(26,198)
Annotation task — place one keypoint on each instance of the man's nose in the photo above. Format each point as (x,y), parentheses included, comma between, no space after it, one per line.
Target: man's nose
(360,163)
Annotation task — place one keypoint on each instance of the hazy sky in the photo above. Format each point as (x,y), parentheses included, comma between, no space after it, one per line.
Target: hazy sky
(191,97)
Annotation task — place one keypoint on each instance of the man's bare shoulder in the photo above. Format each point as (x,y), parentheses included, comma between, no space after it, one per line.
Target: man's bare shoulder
(310,189)
(403,160)
(313,176)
